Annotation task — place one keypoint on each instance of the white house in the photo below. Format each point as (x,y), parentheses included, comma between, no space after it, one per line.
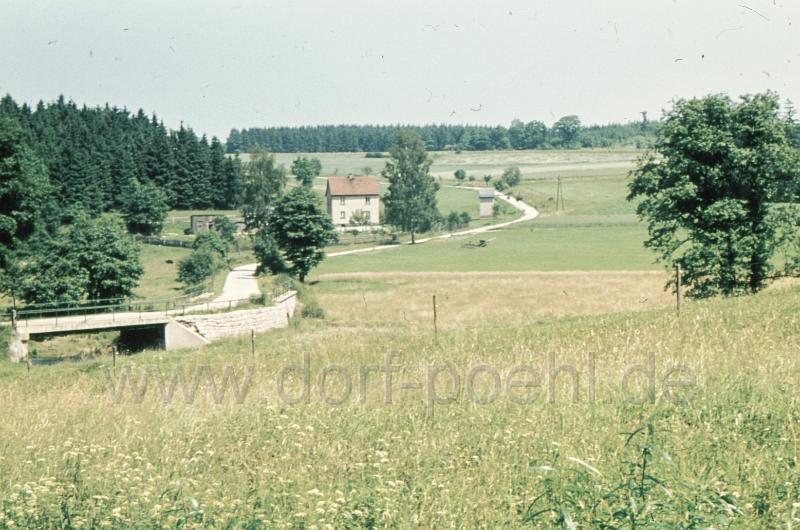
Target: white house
(353,196)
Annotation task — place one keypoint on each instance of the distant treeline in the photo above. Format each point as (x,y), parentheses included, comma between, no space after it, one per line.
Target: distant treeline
(566,133)
(95,154)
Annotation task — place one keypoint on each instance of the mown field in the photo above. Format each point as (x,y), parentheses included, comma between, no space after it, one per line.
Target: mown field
(596,229)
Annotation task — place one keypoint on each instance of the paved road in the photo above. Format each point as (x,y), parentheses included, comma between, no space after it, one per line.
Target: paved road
(528,213)
(241,282)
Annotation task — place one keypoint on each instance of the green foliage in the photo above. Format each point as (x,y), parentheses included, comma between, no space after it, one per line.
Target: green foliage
(487,179)
(305,169)
(209,256)
(565,132)
(211,241)
(25,192)
(455,220)
(511,176)
(92,154)
(460,175)
(709,190)
(199,266)
(225,228)
(268,254)
(301,230)
(91,259)
(360,218)
(411,200)
(145,209)
(264,182)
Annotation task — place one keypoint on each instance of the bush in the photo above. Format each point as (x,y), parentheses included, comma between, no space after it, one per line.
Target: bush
(511,176)
(375,154)
(212,242)
(268,254)
(312,309)
(198,266)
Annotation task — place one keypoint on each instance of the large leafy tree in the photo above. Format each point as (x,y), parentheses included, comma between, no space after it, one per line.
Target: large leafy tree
(264,182)
(301,230)
(411,199)
(93,258)
(714,192)
(145,208)
(566,131)
(305,169)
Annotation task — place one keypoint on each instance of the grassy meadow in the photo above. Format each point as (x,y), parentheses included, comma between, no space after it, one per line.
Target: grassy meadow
(719,453)
(557,388)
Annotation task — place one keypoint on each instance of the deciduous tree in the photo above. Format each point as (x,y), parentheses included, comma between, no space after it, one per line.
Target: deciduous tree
(305,169)
(301,230)
(411,199)
(264,182)
(711,192)
(145,208)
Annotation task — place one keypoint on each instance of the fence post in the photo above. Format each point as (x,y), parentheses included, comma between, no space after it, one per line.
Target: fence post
(678,288)
(435,327)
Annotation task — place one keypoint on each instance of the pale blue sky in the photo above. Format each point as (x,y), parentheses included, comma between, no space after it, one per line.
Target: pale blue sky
(220,65)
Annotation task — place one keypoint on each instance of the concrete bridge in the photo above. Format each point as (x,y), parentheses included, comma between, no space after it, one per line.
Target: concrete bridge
(169,329)
(138,330)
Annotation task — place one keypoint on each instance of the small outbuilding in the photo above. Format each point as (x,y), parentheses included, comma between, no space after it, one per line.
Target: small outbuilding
(201,223)
(487,201)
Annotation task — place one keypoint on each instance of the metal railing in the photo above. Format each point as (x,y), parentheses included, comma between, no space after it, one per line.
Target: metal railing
(144,309)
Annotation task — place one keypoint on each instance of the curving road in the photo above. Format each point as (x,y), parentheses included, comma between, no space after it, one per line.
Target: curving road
(241,283)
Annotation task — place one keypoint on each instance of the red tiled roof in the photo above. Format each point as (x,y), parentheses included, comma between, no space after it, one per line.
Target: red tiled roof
(338,186)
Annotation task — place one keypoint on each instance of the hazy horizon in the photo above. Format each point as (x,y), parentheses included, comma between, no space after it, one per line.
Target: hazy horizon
(217,67)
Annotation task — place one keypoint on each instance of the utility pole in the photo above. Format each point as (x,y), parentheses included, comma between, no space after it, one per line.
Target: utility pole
(559,195)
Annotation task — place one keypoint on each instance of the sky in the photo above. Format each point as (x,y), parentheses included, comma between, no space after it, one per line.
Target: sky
(216,65)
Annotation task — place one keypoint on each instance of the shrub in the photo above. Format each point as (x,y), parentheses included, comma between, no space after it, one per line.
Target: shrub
(312,309)
(199,266)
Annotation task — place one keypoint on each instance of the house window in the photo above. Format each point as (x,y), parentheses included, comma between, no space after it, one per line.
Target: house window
(341,214)
(341,201)
(367,214)
(367,201)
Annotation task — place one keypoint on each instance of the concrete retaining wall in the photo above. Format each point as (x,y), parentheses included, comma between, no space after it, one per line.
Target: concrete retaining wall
(235,323)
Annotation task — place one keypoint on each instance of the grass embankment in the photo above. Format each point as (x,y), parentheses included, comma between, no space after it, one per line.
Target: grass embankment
(727,457)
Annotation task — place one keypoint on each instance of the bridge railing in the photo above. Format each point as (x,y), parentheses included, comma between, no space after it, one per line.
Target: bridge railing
(142,308)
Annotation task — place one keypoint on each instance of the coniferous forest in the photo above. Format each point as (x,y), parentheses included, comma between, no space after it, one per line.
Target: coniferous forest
(566,133)
(95,155)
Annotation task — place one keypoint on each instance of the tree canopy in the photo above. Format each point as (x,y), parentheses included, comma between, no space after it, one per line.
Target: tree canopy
(92,153)
(378,138)
(145,208)
(305,169)
(93,258)
(264,182)
(714,192)
(301,230)
(411,200)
